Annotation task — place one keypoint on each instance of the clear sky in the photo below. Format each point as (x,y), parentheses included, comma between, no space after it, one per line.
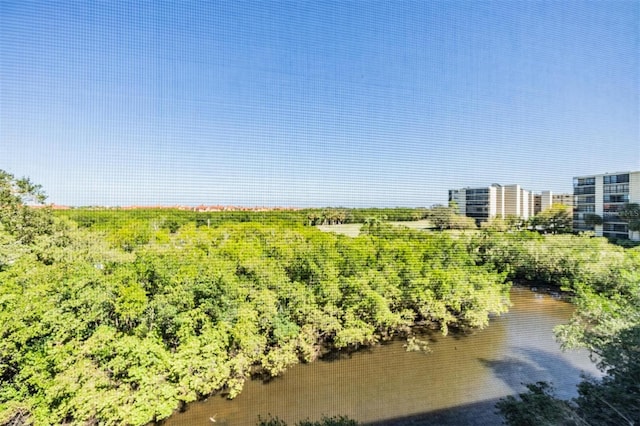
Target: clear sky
(308,103)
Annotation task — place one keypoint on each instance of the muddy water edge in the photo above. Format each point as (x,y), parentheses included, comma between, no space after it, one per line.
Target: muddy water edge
(457,383)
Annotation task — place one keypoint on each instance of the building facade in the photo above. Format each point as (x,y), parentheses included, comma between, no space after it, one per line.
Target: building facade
(496,200)
(546,199)
(605,195)
(564,199)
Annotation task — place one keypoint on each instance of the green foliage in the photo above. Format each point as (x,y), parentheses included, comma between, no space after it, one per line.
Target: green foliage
(17,216)
(495,224)
(552,259)
(557,219)
(613,400)
(462,222)
(500,224)
(616,398)
(447,217)
(592,219)
(325,421)
(605,282)
(538,407)
(172,219)
(19,191)
(631,213)
(441,216)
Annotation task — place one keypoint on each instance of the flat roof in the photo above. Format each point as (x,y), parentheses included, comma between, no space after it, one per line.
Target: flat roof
(607,174)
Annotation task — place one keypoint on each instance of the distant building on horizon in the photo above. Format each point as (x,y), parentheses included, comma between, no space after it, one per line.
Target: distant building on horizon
(484,203)
(605,195)
(497,200)
(542,201)
(546,199)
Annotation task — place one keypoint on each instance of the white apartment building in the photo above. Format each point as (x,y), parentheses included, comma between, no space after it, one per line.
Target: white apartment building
(496,200)
(605,195)
(546,199)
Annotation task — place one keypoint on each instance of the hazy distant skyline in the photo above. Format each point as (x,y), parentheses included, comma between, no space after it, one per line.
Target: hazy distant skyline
(345,103)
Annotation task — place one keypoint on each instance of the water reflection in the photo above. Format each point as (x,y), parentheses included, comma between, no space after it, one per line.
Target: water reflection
(457,383)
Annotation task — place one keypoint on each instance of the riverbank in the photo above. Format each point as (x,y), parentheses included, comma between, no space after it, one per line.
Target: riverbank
(543,288)
(458,382)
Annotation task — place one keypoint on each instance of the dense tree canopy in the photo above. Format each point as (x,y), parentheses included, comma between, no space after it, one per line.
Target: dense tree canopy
(557,219)
(447,217)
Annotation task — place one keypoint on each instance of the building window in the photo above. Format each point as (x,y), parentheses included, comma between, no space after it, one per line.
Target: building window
(584,181)
(624,178)
(611,207)
(477,191)
(589,199)
(585,190)
(613,189)
(586,208)
(617,198)
(615,227)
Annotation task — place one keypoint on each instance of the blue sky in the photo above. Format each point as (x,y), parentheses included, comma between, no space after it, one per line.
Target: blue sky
(345,103)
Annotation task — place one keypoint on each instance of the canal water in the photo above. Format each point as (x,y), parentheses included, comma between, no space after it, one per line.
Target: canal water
(457,383)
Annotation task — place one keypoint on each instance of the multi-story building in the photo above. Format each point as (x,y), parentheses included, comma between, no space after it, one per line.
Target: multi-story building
(542,201)
(546,199)
(496,200)
(605,195)
(564,199)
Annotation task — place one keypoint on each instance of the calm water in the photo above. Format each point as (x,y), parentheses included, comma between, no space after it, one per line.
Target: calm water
(457,383)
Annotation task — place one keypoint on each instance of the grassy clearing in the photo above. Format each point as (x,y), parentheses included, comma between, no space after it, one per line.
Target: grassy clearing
(353,229)
(423,224)
(348,229)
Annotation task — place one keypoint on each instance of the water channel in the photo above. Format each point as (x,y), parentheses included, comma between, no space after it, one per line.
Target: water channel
(457,383)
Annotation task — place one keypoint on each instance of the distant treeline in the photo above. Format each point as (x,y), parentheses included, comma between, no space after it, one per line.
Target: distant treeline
(172,219)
